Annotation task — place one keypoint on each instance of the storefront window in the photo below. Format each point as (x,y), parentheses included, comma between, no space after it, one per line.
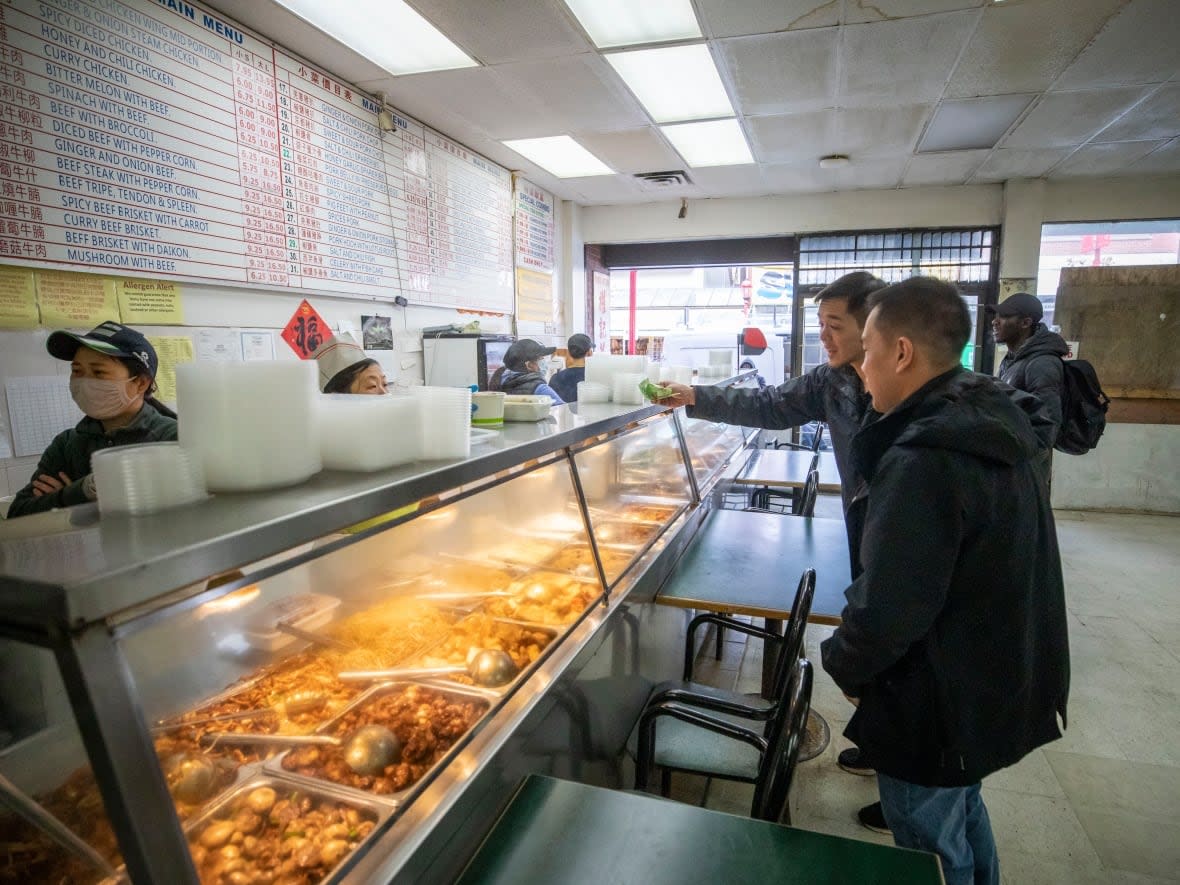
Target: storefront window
(1102,244)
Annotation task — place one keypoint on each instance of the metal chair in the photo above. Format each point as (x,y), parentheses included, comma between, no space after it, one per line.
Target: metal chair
(673,749)
(802,501)
(816,441)
(721,746)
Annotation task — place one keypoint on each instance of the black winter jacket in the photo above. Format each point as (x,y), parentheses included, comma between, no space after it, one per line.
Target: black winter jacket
(833,395)
(954,636)
(1036,368)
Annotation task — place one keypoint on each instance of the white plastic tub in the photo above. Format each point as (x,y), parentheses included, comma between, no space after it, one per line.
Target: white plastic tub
(526,408)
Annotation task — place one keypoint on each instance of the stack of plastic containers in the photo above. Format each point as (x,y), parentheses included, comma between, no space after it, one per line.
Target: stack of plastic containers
(602,368)
(368,432)
(625,388)
(252,424)
(593,392)
(445,422)
(146,478)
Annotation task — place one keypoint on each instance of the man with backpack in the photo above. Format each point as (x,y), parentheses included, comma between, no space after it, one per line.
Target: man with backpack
(1034,359)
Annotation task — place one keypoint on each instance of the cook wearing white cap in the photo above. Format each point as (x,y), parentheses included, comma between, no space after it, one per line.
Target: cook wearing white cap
(344,368)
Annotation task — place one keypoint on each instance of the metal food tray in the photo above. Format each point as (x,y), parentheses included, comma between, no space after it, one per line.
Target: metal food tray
(483,691)
(274,765)
(319,789)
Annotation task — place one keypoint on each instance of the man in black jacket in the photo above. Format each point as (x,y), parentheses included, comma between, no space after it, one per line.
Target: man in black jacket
(953,642)
(832,392)
(1033,362)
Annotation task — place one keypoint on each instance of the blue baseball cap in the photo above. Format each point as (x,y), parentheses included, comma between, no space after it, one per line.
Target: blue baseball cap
(113,339)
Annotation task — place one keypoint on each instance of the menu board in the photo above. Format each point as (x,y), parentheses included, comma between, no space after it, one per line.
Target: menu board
(160,139)
(534,227)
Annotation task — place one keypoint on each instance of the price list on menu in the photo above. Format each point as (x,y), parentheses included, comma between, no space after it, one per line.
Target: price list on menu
(160,139)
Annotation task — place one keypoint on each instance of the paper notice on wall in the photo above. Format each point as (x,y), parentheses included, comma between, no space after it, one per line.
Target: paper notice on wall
(39,408)
(18,299)
(534,297)
(258,346)
(219,345)
(149,302)
(76,300)
(172,351)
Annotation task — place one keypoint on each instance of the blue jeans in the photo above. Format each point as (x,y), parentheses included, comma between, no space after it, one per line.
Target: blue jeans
(950,821)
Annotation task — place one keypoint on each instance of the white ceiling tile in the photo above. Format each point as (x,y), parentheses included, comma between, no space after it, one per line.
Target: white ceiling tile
(1105,159)
(734,18)
(607,189)
(887,10)
(1139,45)
(1003,164)
(798,178)
(634,150)
(793,138)
(901,62)
(730,181)
(477,96)
(954,167)
(1023,47)
(785,73)
(881,174)
(579,92)
(880,132)
(506,30)
(1156,117)
(1162,160)
(1070,118)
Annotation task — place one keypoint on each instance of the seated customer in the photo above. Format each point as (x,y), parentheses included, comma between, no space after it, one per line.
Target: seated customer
(112,376)
(524,370)
(566,381)
(344,367)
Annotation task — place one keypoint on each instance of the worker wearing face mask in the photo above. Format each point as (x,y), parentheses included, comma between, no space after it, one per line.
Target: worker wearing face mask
(112,378)
(525,371)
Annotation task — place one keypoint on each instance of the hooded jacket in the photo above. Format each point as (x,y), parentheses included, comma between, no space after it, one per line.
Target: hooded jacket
(1036,368)
(833,395)
(70,452)
(954,634)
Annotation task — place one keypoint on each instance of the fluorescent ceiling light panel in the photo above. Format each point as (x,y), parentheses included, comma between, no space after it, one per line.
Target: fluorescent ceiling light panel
(972,123)
(386,32)
(674,83)
(628,22)
(560,155)
(714,143)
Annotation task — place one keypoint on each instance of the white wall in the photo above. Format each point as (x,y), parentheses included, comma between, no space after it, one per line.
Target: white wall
(1135,467)
(802,213)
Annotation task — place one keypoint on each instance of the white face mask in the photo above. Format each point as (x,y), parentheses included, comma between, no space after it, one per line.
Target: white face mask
(543,367)
(102,399)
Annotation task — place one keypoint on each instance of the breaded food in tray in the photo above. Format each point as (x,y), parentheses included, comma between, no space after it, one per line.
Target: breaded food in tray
(546,597)
(428,721)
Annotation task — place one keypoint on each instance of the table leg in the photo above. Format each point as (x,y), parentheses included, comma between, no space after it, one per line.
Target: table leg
(770,657)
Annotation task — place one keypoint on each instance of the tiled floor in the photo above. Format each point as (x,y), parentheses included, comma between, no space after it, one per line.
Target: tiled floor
(1102,805)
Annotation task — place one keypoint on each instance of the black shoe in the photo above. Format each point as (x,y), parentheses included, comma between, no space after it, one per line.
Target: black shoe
(872,817)
(851,762)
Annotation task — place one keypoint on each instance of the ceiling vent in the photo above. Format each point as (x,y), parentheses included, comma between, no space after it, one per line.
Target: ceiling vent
(662,181)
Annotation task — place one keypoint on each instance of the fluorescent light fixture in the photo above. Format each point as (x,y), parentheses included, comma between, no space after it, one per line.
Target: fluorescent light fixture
(972,123)
(560,155)
(386,32)
(713,143)
(627,22)
(674,83)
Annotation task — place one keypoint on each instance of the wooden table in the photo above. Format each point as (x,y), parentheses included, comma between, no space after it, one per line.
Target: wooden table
(787,469)
(564,833)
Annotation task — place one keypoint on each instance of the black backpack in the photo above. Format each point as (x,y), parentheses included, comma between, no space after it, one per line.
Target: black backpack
(1083,409)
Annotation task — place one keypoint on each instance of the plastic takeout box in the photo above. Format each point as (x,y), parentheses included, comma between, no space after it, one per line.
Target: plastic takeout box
(526,408)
